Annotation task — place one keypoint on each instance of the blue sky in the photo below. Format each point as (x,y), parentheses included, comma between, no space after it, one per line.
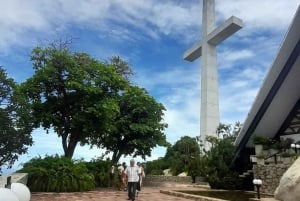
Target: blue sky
(151,35)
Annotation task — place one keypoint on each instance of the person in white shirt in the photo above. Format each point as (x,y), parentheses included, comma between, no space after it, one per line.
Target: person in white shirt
(141,175)
(112,176)
(132,173)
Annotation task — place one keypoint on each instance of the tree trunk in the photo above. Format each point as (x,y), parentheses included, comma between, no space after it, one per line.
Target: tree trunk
(116,157)
(64,142)
(69,148)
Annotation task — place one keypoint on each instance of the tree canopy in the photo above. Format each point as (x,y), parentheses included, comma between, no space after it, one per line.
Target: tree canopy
(88,101)
(182,154)
(138,127)
(72,93)
(14,140)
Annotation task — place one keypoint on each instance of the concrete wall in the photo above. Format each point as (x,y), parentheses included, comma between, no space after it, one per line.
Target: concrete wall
(270,175)
(160,180)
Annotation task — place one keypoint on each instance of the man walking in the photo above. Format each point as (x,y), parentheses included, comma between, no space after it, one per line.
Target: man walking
(141,176)
(132,173)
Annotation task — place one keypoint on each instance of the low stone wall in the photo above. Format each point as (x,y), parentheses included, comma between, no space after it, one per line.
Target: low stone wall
(270,176)
(159,180)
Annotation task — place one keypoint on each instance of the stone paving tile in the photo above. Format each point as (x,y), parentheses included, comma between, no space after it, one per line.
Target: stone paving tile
(147,194)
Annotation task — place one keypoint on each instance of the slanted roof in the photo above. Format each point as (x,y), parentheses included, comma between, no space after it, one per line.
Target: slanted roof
(279,96)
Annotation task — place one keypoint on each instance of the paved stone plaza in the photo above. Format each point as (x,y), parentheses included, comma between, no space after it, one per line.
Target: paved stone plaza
(147,194)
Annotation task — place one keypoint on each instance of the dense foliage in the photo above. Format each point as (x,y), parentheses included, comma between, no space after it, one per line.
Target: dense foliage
(58,174)
(182,154)
(214,165)
(88,101)
(219,171)
(72,93)
(156,167)
(137,128)
(100,170)
(14,139)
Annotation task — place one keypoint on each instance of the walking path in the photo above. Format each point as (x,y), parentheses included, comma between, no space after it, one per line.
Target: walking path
(110,194)
(147,194)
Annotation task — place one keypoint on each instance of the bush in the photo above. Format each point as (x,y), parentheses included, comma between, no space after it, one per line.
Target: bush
(58,174)
(286,143)
(228,182)
(100,170)
(156,167)
(260,140)
(156,172)
(219,172)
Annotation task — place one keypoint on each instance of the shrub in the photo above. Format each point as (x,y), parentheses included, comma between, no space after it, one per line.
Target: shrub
(100,170)
(286,143)
(228,182)
(156,172)
(156,167)
(260,140)
(58,174)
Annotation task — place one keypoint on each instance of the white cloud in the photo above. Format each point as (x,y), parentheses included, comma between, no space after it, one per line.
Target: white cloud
(227,58)
(238,91)
(233,55)
(179,92)
(25,23)
(183,109)
(183,120)
(266,14)
(172,76)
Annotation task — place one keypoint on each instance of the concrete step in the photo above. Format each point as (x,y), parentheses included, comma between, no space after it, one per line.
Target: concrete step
(246,174)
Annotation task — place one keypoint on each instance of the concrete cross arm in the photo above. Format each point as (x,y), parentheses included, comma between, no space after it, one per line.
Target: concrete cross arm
(193,53)
(229,27)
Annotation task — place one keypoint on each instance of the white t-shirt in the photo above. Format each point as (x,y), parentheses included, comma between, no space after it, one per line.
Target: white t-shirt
(112,170)
(133,173)
(120,169)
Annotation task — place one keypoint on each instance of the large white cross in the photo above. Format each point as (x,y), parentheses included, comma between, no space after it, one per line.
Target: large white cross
(211,37)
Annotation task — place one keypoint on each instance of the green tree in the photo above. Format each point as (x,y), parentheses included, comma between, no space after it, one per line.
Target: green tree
(138,127)
(228,130)
(14,140)
(72,93)
(182,154)
(219,172)
(156,167)
(195,167)
(122,67)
